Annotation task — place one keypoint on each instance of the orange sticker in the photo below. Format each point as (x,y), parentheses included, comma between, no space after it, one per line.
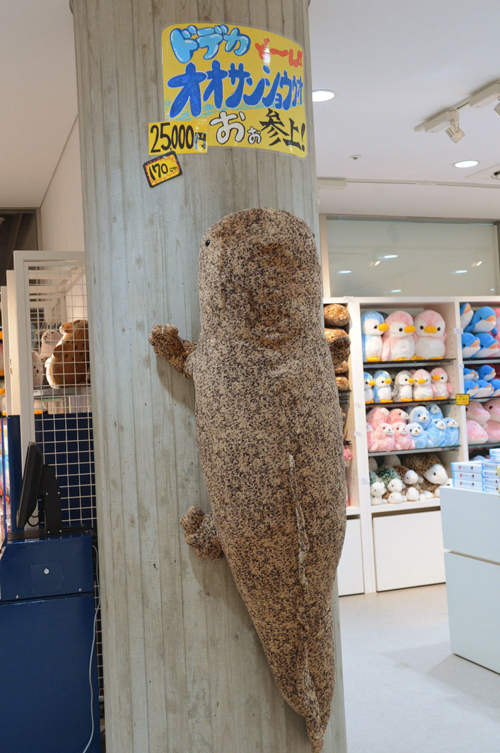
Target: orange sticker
(462,399)
(162,168)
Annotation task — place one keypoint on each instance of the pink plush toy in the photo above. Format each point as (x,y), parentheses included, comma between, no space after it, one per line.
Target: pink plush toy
(398,342)
(430,335)
(493,429)
(476,412)
(381,439)
(441,388)
(422,388)
(377,416)
(402,437)
(397,415)
(493,408)
(476,434)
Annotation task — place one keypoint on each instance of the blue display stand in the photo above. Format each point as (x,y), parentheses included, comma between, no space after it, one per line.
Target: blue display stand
(46,632)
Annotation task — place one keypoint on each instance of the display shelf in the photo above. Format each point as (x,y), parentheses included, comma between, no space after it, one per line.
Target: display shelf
(478,361)
(483,446)
(411,403)
(482,399)
(412,452)
(352,511)
(49,393)
(407,364)
(423,505)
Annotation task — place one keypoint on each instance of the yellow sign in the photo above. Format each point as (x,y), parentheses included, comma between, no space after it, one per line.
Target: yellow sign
(462,399)
(179,137)
(241,86)
(161,169)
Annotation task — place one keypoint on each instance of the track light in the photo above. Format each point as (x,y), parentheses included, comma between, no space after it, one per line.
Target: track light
(486,95)
(447,120)
(497,109)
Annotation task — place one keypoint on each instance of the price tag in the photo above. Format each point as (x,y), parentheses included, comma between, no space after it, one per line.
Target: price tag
(179,137)
(162,168)
(462,399)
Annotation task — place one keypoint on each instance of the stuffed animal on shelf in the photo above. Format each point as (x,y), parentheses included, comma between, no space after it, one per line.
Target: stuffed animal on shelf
(476,434)
(50,338)
(369,384)
(477,412)
(339,344)
(410,480)
(470,345)
(489,346)
(37,369)
(396,415)
(471,385)
(466,314)
(422,389)
(383,387)
(336,315)
(430,469)
(452,432)
(420,415)
(418,434)
(492,408)
(372,328)
(492,426)
(399,339)
(431,335)
(377,416)
(69,363)
(483,320)
(381,439)
(495,383)
(377,489)
(403,439)
(436,433)
(403,387)
(342,368)
(484,388)
(486,372)
(342,383)
(394,486)
(435,410)
(493,431)
(441,387)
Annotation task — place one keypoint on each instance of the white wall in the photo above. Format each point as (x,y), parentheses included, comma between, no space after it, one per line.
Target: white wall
(61,212)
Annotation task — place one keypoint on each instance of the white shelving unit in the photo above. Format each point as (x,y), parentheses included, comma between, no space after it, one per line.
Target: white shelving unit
(417,525)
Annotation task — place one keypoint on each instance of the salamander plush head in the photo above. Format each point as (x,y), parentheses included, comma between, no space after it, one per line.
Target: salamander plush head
(259,274)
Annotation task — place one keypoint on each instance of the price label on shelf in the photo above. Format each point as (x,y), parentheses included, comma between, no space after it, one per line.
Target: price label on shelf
(162,168)
(179,137)
(462,399)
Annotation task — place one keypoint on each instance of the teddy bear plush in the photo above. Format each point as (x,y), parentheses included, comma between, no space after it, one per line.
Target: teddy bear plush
(336,315)
(69,363)
(339,344)
(430,469)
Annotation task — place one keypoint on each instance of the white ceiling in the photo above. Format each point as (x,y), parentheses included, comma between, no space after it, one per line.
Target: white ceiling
(392,64)
(38,91)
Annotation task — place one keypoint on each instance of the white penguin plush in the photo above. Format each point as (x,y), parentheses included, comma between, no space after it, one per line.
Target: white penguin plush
(403,387)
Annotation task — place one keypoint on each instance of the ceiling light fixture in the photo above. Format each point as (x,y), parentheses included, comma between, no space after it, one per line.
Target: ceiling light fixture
(322,95)
(447,120)
(390,256)
(396,290)
(466,163)
(345,272)
(486,95)
(460,271)
(477,263)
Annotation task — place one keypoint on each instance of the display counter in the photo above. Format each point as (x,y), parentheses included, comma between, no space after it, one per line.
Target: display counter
(471,534)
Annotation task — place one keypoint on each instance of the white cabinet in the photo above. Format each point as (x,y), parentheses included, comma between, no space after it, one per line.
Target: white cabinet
(350,569)
(408,550)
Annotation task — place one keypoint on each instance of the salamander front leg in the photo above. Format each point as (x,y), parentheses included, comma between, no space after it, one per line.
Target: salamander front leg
(201,534)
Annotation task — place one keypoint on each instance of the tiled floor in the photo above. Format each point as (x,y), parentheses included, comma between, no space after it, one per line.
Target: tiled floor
(405,692)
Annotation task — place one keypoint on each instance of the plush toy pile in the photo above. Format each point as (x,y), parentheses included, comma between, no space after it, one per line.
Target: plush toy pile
(419,478)
(400,337)
(480,332)
(407,385)
(422,427)
(483,422)
(69,363)
(336,318)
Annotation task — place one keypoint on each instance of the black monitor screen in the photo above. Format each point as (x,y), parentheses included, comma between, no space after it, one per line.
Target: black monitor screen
(30,491)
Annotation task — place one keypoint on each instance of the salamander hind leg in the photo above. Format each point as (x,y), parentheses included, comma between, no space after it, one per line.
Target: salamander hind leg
(201,534)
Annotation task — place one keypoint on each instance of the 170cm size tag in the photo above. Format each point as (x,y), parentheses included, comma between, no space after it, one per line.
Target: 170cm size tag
(162,168)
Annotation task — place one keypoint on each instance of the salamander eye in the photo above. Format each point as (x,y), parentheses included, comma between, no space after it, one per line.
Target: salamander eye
(207,242)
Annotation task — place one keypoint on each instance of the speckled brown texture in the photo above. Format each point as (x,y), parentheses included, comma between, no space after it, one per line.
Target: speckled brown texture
(336,315)
(339,344)
(270,442)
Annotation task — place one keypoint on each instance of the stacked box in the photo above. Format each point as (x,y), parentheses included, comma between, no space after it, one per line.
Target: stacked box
(467,475)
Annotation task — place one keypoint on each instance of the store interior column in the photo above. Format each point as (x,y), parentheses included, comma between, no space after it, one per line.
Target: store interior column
(183,668)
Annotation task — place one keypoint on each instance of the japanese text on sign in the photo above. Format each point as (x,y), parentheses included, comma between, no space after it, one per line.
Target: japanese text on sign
(241,86)
(179,137)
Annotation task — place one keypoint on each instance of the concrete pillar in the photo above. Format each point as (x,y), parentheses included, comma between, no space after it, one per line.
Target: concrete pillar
(184,671)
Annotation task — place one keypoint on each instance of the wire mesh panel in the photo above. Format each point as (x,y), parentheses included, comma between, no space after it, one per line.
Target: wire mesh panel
(55,392)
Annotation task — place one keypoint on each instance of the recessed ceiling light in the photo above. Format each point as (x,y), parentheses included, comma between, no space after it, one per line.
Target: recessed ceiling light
(322,95)
(396,290)
(477,263)
(460,271)
(466,163)
(492,290)
(345,272)
(376,263)
(390,256)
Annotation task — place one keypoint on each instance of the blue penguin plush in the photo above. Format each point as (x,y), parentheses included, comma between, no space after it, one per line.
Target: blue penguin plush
(382,390)
(471,374)
(418,434)
(470,345)
(466,314)
(452,432)
(436,433)
(489,346)
(486,372)
(369,382)
(483,320)
(372,327)
(485,389)
(420,415)
(471,387)
(435,410)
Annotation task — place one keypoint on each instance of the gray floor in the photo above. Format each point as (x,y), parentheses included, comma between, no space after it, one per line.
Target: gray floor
(405,691)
